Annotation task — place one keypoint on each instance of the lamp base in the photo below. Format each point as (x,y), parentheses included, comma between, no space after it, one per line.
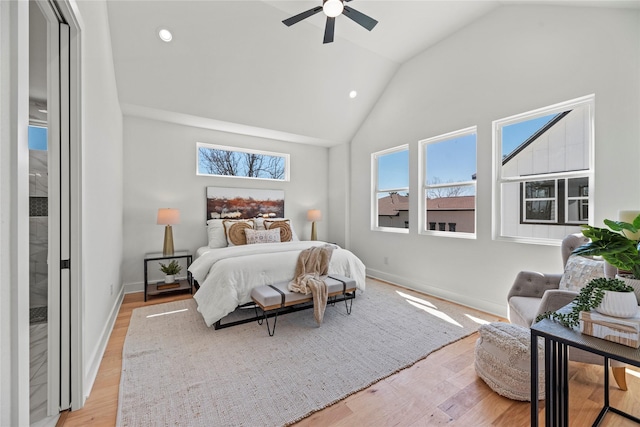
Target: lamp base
(314,236)
(168,241)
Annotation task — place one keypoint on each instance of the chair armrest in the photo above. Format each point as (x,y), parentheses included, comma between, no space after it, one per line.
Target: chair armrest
(533,284)
(554,299)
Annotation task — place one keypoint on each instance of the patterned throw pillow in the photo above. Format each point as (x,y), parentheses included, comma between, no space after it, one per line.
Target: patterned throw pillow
(262,236)
(579,271)
(234,230)
(286,234)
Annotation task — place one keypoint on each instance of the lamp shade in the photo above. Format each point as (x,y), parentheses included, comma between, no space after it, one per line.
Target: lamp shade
(168,216)
(314,215)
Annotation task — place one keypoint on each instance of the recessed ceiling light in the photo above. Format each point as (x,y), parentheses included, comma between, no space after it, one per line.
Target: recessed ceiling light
(165,35)
(353,94)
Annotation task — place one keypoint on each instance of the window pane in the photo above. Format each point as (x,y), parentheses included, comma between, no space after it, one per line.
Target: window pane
(543,210)
(222,162)
(451,160)
(454,209)
(578,211)
(393,209)
(37,138)
(579,187)
(393,170)
(540,190)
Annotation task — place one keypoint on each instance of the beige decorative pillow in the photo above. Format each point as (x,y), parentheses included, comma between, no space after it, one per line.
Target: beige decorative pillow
(285,229)
(234,230)
(262,236)
(579,271)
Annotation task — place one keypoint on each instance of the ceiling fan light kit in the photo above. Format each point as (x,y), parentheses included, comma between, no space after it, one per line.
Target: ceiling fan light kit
(333,9)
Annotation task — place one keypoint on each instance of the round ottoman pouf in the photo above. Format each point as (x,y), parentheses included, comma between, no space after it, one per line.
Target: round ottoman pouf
(503,360)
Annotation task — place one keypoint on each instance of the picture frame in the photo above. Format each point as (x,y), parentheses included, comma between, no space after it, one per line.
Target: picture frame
(244,203)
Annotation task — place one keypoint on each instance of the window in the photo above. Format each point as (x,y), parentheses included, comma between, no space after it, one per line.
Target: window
(448,183)
(390,182)
(544,168)
(217,160)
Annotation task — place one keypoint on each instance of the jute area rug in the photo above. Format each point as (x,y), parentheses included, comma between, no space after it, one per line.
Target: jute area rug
(178,372)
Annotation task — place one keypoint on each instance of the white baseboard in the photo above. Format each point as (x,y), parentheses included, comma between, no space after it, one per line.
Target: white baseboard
(478,304)
(93,363)
(131,288)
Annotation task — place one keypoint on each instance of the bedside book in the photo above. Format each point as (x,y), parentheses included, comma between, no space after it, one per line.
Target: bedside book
(161,285)
(625,331)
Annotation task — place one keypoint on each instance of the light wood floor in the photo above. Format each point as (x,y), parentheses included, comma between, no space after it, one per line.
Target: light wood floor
(442,389)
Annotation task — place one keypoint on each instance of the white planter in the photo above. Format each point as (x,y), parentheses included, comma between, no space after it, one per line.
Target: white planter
(634,283)
(618,304)
(169,278)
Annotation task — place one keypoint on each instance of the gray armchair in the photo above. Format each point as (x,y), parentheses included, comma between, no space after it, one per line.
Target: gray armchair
(534,293)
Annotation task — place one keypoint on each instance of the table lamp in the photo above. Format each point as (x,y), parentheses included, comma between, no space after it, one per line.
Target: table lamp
(168,217)
(314,215)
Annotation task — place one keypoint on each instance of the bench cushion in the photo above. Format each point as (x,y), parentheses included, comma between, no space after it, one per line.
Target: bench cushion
(266,296)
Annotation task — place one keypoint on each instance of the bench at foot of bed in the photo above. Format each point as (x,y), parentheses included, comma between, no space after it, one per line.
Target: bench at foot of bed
(278,299)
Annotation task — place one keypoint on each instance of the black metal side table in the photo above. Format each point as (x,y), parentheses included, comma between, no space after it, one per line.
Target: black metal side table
(157,287)
(557,340)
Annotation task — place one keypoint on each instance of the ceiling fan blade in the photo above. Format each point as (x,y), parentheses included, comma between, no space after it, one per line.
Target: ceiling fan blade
(299,17)
(329,30)
(360,18)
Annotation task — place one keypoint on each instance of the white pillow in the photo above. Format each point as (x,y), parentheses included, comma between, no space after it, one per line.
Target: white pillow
(234,230)
(262,236)
(215,231)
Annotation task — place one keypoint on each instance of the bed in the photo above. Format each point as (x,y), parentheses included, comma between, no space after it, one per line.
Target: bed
(233,264)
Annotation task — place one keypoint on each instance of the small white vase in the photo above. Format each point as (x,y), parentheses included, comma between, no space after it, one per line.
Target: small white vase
(618,304)
(634,283)
(169,278)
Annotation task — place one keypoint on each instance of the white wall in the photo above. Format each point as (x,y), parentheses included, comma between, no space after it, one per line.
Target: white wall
(160,171)
(495,68)
(338,195)
(102,187)
(14,214)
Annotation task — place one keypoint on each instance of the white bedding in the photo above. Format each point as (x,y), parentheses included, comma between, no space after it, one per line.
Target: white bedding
(227,275)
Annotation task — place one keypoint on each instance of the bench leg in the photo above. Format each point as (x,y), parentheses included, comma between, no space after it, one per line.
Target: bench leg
(348,303)
(275,320)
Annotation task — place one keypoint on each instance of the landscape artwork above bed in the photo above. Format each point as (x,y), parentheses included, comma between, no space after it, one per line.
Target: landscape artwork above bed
(244,203)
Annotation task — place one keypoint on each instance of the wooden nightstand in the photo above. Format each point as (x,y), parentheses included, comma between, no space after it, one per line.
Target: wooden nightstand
(156,288)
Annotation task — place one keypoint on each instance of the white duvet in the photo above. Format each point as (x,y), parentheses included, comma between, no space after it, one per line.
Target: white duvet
(227,275)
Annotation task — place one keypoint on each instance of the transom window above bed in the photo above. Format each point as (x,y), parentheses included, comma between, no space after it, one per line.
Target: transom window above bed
(219,160)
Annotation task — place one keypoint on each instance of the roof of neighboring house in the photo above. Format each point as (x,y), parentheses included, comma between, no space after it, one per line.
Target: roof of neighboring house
(452,203)
(392,204)
(535,136)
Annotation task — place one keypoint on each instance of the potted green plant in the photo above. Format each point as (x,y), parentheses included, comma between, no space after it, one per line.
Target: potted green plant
(170,270)
(607,296)
(618,245)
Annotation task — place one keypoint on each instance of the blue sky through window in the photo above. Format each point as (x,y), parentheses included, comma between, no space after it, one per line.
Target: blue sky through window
(393,170)
(37,138)
(452,160)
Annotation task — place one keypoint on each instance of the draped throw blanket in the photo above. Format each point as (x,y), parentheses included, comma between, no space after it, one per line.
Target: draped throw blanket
(311,270)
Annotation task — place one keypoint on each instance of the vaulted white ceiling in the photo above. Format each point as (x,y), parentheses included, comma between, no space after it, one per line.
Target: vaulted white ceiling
(233,65)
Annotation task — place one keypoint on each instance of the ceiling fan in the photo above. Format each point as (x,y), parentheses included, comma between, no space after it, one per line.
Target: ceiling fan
(333,8)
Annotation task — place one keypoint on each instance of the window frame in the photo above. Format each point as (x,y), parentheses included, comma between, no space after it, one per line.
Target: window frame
(375,190)
(285,156)
(499,180)
(424,187)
